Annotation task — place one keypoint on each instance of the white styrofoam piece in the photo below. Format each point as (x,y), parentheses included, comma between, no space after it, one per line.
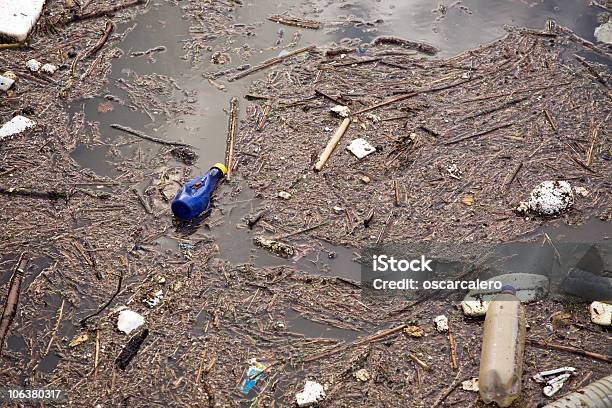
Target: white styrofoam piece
(313,393)
(601,313)
(49,69)
(14,126)
(17,18)
(360,148)
(6,83)
(32,64)
(129,321)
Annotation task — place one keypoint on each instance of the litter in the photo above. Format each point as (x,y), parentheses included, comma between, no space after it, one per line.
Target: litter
(362,375)
(19,17)
(129,321)
(276,247)
(131,349)
(33,65)
(49,69)
(15,126)
(554,379)
(284,195)
(360,148)
(470,385)
(581,191)
(603,33)
(312,394)
(601,313)
(156,299)
(414,331)
(253,374)
(194,197)
(78,340)
(549,198)
(342,111)
(6,83)
(441,323)
(594,395)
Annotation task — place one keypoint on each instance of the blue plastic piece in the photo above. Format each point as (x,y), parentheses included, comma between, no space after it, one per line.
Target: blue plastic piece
(194,197)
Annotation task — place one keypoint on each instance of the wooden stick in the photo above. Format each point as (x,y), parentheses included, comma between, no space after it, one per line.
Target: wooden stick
(397,193)
(331,98)
(569,349)
(419,361)
(60,313)
(231,135)
(444,394)
(295,22)
(29,192)
(453,349)
(104,12)
(147,137)
(107,32)
(96,355)
(514,174)
(264,116)
(550,120)
(271,62)
(461,138)
(12,299)
(301,231)
(331,145)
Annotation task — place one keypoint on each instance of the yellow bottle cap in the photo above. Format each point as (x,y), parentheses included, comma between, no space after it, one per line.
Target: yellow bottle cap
(221,167)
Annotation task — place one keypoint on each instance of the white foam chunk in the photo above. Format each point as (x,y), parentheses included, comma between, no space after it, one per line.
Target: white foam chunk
(14,126)
(129,321)
(17,18)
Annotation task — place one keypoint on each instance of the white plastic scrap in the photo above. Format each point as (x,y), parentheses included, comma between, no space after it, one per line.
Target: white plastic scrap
(360,148)
(441,323)
(341,110)
(313,393)
(581,191)
(554,379)
(16,125)
(603,33)
(601,313)
(156,299)
(6,83)
(470,385)
(362,375)
(129,321)
(49,69)
(33,65)
(284,195)
(18,17)
(551,197)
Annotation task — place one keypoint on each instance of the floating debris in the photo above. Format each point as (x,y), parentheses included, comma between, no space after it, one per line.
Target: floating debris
(33,65)
(131,349)
(276,247)
(360,148)
(471,385)
(312,394)
(362,375)
(19,17)
(15,126)
(414,331)
(341,110)
(78,340)
(155,299)
(6,82)
(441,323)
(284,195)
(129,321)
(603,33)
(601,313)
(554,379)
(549,198)
(253,374)
(49,69)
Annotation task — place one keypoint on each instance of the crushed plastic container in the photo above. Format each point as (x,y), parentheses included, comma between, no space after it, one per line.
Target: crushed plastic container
(194,197)
(503,345)
(594,395)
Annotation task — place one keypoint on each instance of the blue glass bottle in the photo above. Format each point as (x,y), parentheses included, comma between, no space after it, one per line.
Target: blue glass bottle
(194,197)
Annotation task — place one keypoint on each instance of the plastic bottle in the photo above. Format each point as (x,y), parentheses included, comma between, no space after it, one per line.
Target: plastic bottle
(194,197)
(501,360)
(594,395)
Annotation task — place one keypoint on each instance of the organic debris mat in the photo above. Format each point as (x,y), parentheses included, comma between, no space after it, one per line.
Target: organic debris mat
(459,142)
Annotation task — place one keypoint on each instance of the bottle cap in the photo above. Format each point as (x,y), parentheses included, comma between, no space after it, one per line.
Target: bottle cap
(221,167)
(508,289)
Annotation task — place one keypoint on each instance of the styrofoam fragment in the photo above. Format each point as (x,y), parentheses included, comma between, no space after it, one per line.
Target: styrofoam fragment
(360,148)
(313,393)
(16,125)
(19,17)
(129,321)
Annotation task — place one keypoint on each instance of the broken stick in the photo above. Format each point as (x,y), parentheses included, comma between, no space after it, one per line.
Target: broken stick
(570,349)
(12,299)
(331,145)
(231,134)
(271,62)
(147,137)
(295,22)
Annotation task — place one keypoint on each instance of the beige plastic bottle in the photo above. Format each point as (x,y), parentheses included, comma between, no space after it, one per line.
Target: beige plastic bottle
(503,344)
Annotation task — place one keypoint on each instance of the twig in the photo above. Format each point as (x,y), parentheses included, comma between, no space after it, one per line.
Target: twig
(444,394)
(581,164)
(96,355)
(419,361)
(108,29)
(397,193)
(331,145)
(12,298)
(331,98)
(496,108)
(271,62)
(103,12)
(592,70)
(411,94)
(60,313)
(142,201)
(13,45)
(550,120)
(482,133)
(453,349)
(514,174)
(295,22)
(412,45)
(50,195)
(100,310)
(147,137)
(356,62)
(264,116)
(231,135)
(569,349)
(301,231)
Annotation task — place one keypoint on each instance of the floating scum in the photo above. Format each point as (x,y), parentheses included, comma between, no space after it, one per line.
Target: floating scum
(530,107)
